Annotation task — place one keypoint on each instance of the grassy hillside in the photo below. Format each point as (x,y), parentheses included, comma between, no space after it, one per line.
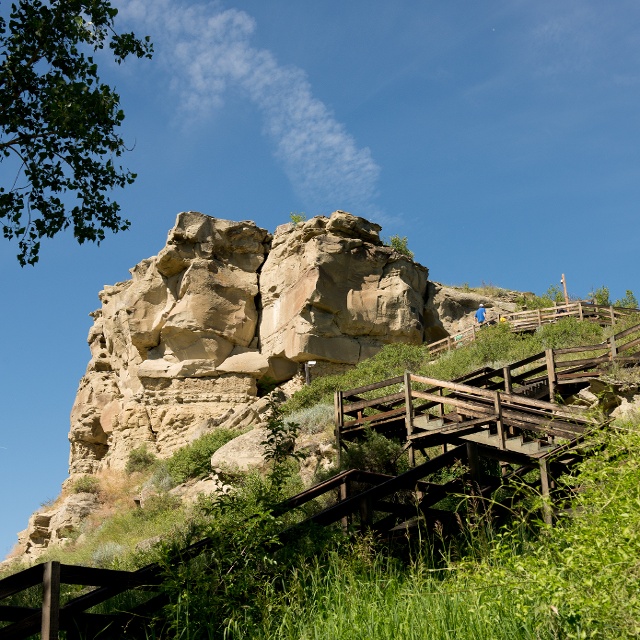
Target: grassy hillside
(577,580)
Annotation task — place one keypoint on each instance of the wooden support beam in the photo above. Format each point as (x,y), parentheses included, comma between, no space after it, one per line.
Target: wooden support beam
(498,409)
(339,422)
(344,494)
(547,511)
(551,374)
(506,372)
(408,418)
(474,461)
(50,601)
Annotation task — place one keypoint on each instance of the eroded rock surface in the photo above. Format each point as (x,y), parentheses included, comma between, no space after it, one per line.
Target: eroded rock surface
(178,349)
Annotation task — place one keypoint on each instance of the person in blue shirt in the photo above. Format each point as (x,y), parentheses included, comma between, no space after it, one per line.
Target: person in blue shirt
(481,315)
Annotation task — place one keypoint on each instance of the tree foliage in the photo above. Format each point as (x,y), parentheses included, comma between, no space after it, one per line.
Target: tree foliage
(401,245)
(629,301)
(58,122)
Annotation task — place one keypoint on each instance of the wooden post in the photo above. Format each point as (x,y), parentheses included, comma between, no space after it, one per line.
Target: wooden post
(50,601)
(474,461)
(498,408)
(339,418)
(506,372)
(547,512)
(580,310)
(366,514)
(564,286)
(614,348)
(613,315)
(408,416)
(551,374)
(441,414)
(344,494)
(539,318)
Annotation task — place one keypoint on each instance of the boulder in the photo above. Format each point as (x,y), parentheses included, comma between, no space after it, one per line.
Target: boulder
(243,453)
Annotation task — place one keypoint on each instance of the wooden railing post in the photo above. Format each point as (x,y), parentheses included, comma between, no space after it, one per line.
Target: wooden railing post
(498,408)
(614,349)
(408,417)
(547,511)
(580,314)
(339,422)
(612,315)
(50,601)
(474,461)
(551,373)
(344,494)
(506,372)
(539,318)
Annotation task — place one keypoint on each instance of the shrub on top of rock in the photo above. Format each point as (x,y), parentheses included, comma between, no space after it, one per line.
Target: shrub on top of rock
(86,484)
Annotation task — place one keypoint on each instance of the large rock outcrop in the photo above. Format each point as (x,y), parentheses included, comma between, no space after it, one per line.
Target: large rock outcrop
(178,349)
(331,291)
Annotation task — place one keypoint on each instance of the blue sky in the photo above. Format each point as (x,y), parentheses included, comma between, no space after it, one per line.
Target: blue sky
(502,137)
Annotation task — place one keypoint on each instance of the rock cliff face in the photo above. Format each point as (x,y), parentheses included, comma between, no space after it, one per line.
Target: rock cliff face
(179,348)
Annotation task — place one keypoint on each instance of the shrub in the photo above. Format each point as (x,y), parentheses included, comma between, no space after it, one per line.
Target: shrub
(601,296)
(629,301)
(140,459)
(194,460)
(86,484)
(105,555)
(375,453)
(401,245)
(297,217)
(314,419)
(569,332)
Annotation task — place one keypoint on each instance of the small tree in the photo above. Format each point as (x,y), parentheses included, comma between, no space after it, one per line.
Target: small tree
(401,245)
(629,301)
(59,123)
(600,296)
(297,217)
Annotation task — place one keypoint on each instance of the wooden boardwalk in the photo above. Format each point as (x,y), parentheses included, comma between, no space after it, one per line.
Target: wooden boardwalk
(512,416)
(532,319)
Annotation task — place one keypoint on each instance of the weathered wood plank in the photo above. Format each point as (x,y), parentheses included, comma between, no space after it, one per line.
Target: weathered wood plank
(452,386)
(349,407)
(373,387)
(377,417)
(20,581)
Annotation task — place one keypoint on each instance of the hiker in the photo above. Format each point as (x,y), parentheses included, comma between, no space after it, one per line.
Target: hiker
(481,315)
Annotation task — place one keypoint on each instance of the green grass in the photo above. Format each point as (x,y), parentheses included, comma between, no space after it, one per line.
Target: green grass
(578,580)
(495,346)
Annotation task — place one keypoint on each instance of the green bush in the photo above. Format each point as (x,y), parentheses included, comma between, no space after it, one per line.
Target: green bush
(194,460)
(140,459)
(600,296)
(296,217)
(629,301)
(86,484)
(401,245)
(375,453)
(313,419)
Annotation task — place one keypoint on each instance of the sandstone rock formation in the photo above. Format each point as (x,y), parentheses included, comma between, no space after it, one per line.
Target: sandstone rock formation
(56,525)
(178,349)
(449,310)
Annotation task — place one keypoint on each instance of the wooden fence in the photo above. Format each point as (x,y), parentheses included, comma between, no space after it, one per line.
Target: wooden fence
(534,318)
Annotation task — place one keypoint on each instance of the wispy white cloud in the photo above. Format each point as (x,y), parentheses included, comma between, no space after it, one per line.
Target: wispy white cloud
(206,49)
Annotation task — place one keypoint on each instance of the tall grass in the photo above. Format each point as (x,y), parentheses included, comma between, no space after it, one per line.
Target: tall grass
(495,346)
(578,579)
